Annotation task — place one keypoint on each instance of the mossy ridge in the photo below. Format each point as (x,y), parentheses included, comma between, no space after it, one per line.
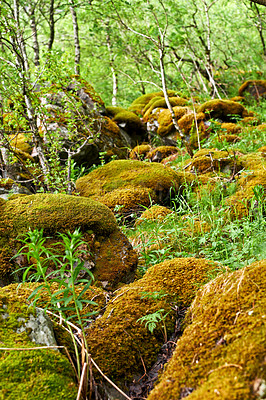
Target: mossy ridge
(116,335)
(221,352)
(54,212)
(28,374)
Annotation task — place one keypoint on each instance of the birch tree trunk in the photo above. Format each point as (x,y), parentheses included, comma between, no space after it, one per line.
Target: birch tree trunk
(76,36)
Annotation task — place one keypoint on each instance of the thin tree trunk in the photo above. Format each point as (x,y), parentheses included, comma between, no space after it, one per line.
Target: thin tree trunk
(36,47)
(51,25)
(76,36)
(112,67)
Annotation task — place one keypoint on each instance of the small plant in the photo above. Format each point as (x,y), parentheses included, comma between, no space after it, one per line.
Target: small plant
(152,320)
(65,300)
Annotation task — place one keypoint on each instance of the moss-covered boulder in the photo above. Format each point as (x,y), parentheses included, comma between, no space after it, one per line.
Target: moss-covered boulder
(253,88)
(226,110)
(154,213)
(141,102)
(108,252)
(221,353)
(118,342)
(139,152)
(159,102)
(162,152)
(209,160)
(129,122)
(30,374)
(131,184)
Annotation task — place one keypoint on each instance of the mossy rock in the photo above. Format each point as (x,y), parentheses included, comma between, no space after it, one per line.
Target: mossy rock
(121,345)
(108,252)
(221,352)
(231,128)
(132,124)
(208,160)
(229,138)
(139,152)
(159,102)
(21,142)
(240,202)
(253,88)
(118,177)
(140,103)
(29,374)
(223,109)
(165,121)
(154,213)
(162,152)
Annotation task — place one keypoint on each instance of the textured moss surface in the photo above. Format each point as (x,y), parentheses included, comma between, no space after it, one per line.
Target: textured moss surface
(221,352)
(117,342)
(107,250)
(152,178)
(29,374)
(155,213)
(207,160)
(223,109)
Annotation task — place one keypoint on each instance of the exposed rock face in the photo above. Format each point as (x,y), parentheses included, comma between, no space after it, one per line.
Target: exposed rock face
(132,184)
(222,350)
(109,254)
(27,375)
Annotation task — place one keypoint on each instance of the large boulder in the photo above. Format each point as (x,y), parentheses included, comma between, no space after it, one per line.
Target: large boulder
(109,254)
(132,184)
(221,353)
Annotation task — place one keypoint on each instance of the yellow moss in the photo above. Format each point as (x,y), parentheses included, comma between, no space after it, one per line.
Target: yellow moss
(229,138)
(207,160)
(231,128)
(54,212)
(139,152)
(112,111)
(131,199)
(255,87)
(187,122)
(139,103)
(261,127)
(155,213)
(223,109)
(158,102)
(250,121)
(165,121)
(6,183)
(261,150)
(116,335)
(164,151)
(221,352)
(123,174)
(20,142)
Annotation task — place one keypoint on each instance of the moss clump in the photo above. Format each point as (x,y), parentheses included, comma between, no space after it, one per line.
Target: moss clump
(255,88)
(55,212)
(159,102)
(117,342)
(162,152)
(165,121)
(154,178)
(229,138)
(140,103)
(155,213)
(21,142)
(231,128)
(221,352)
(207,160)
(34,373)
(139,152)
(223,109)
(107,250)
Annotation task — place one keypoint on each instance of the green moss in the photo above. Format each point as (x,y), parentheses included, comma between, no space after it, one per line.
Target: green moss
(221,352)
(123,174)
(117,342)
(139,103)
(139,152)
(54,212)
(34,373)
(112,111)
(128,117)
(223,109)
